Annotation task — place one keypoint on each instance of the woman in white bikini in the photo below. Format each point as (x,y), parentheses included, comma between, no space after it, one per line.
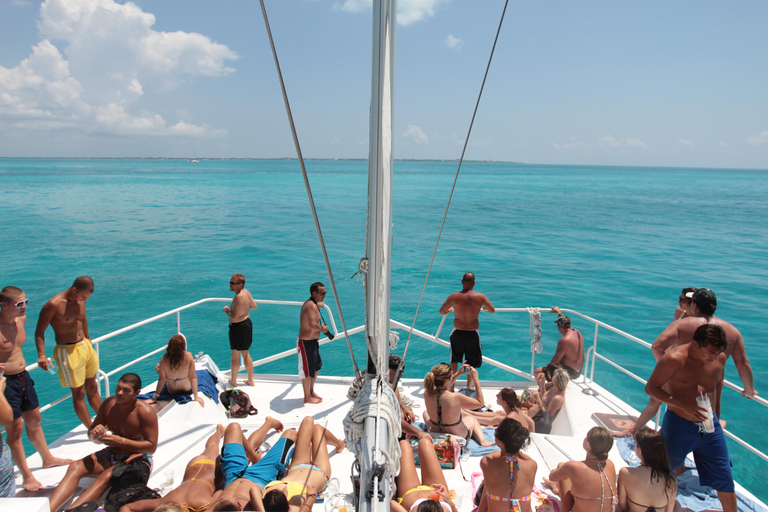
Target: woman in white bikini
(177,370)
(588,485)
(509,474)
(650,487)
(444,407)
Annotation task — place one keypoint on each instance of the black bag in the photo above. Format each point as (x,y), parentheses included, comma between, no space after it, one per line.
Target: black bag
(88,506)
(129,483)
(115,500)
(238,403)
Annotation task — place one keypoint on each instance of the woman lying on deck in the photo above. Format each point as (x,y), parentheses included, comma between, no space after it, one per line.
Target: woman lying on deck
(430,492)
(651,487)
(507,399)
(177,370)
(587,485)
(444,407)
(509,474)
(546,404)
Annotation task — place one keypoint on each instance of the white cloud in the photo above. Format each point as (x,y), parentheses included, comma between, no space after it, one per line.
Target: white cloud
(761,139)
(416,134)
(573,144)
(608,140)
(107,58)
(685,142)
(453,42)
(408,11)
(635,143)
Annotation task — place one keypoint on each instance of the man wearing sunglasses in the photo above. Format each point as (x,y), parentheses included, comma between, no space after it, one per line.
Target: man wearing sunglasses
(78,361)
(240,328)
(311,325)
(19,388)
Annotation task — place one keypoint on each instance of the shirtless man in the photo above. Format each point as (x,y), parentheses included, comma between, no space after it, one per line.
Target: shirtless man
(244,483)
(569,352)
(78,362)
(203,475)
(680,332)
(680,375)
(129,430)
(240,328)
(683,309)
(465,337)
(311,325)
(20,390)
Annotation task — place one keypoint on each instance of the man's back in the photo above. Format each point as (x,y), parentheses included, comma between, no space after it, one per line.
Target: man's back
(681,332)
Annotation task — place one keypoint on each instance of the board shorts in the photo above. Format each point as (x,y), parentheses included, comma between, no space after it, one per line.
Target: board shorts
(310,361)
(116,458)
(710,451)
(77,362)
(465,346)
(272,465)
(20,393)
(241,335)
(7,478)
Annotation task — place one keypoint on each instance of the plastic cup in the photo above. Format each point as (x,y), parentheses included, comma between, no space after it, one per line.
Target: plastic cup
(458,497)
(709,423)
(464,454)
(434,495)
(168,473)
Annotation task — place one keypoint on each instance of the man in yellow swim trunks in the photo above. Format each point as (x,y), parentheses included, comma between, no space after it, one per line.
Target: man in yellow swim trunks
(77,360)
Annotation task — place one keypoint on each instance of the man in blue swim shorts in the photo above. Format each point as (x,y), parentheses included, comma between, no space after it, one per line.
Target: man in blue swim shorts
(245,474)
(676,381)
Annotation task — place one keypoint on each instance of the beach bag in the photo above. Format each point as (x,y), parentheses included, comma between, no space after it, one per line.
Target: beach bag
(238,403)
(129,495)
(446,447)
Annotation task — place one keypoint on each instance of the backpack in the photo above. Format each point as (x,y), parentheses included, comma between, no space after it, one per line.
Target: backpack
(238,403)
(128,484)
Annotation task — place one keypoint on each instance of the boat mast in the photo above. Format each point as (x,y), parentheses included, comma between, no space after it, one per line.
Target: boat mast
(379,248)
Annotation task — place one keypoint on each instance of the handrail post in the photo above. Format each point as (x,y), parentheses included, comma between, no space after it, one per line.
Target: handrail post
(178,322)
(594,355)
(440,327)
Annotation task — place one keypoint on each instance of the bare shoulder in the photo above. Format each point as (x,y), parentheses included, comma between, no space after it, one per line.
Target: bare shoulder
(145,412)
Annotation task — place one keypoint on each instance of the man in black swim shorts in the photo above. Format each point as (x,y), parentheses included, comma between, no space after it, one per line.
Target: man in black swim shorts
(311,325)
(240,328)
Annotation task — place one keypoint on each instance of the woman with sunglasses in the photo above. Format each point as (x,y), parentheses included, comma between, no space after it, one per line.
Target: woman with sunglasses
(683,309)
(650,487)
(177,371)
(444,407)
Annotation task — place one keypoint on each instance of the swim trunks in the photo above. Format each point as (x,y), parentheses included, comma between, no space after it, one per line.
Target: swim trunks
(465,345)
(710,451)
(241,335)
(117,458)
(20,393)
(7,478)
(309,358)
(549,370)
(77,362)
(234,463)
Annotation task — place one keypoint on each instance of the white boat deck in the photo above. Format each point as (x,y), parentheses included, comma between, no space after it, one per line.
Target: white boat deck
(185,428)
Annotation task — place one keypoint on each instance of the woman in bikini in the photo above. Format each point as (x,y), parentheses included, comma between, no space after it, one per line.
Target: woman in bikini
(587,485)
(444,407)
(683,309)
(547,403)
(509,474)
(416,494)
(650,487)
(510,404)
(308,472)
(177,370)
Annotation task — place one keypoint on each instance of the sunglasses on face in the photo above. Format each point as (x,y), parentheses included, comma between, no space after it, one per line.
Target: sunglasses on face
(232,283)
(22,304)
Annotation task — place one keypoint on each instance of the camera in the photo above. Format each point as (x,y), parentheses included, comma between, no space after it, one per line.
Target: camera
(330,335)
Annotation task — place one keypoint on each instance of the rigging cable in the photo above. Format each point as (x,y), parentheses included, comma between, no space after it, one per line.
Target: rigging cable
(309,190)
(455,179)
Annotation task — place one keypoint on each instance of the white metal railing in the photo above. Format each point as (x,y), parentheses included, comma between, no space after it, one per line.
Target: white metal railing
(591,352)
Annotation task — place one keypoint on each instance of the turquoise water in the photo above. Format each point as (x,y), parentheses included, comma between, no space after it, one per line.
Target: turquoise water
(615,243)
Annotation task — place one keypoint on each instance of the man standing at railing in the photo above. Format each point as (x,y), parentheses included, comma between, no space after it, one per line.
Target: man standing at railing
(311,325)
(78,362)
(240,328)
(465,336)
(19,388)
(569,352)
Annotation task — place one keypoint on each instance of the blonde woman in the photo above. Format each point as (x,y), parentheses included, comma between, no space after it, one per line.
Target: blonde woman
(547,403)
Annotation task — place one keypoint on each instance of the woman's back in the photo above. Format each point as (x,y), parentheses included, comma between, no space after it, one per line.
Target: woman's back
(177,376)
(640,492)
(499,472)
(593,485)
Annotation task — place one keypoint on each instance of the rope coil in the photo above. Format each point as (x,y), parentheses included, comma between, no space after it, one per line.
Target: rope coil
(535,329)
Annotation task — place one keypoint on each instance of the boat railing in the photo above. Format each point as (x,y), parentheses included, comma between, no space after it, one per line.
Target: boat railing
(589,360)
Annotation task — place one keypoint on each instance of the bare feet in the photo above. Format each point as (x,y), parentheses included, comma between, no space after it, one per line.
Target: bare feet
(55,461)
(555,486)
(273,423)
(340,446)
(31,484)
(233,384)
(315,395)
(312,400)
(250,382)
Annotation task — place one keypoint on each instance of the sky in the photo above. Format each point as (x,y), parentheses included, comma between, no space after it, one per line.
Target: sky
(633,83)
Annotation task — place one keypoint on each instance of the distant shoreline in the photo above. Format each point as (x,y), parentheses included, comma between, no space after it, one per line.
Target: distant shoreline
(200,159)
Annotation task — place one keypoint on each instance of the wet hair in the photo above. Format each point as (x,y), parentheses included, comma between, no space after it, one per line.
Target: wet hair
(435,378)
(395,361)
(227,505)
(314,287)
(83,284)
(237,278)
(706,300)
(509,397)
(177,345)
(429,506)
(169,507)
(655,456)
(711,335)
(132,379)
(513,435)
(275,501)
(560,378)
(9,292)
(600,442)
